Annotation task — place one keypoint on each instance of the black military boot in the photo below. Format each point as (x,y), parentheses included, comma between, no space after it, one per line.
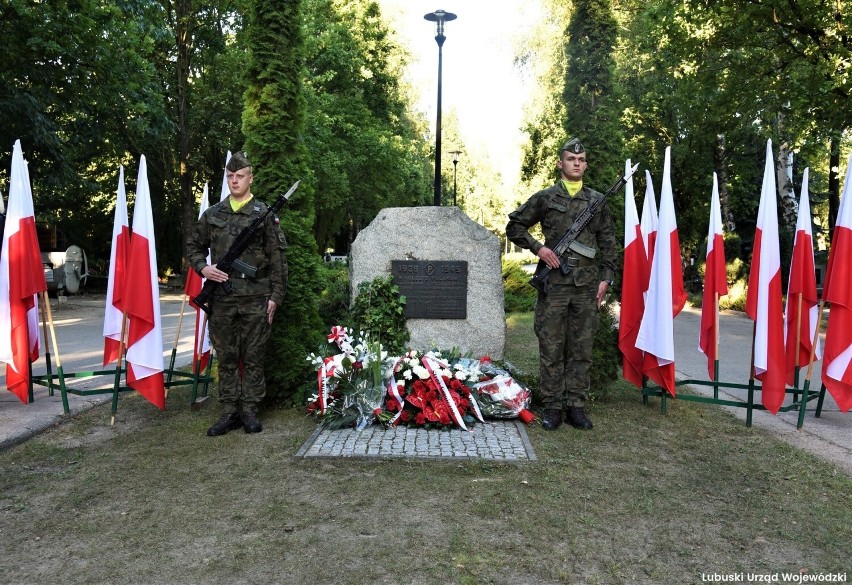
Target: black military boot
(228,422)
(251,424)
(577,418)
(551,418)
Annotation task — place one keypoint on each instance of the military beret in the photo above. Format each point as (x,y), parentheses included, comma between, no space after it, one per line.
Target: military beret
(237,161)
(574,145)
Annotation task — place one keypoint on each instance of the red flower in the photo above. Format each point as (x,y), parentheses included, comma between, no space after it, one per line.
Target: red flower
(526,416)
(406,416)
(431,412)
(357,366)
(416,399)
(443,412)
(393,405)
(377,411)
(420,419)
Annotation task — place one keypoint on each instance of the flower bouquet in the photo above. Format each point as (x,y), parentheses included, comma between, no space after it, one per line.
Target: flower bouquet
(427,390)
(502,396)
(350,386)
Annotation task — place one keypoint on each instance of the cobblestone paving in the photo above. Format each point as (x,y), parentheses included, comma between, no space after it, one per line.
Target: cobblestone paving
(494,440)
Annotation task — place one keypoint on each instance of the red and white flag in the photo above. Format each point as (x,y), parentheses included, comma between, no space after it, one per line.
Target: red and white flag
(837,364)
(799,329)
(763,298)
(666,295)
(223,194)
(194,283)
(715,283)
(649,216)
(634,283)
(114,311)
(145,334)
(21,279)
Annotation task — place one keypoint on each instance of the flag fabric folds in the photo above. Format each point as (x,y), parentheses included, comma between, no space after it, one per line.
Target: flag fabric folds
(192,288)
(145,335)
(715,283)
(836,370)
(763,298)
(666,295)
(802,311)
(649,217)
(114,310)
(21,279)
(634,283)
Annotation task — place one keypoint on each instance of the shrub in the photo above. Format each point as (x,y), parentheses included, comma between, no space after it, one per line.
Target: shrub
(518,295)
(379,310)
(334,297)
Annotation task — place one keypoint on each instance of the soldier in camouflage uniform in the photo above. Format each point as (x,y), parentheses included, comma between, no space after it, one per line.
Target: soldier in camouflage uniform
(566,319)
(240,323)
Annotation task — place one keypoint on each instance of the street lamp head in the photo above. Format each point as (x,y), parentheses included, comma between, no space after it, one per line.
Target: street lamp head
(455,154)
(439,17)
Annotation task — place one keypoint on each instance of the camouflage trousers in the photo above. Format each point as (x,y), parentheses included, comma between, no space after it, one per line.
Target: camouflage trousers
(566,320)
(239,331)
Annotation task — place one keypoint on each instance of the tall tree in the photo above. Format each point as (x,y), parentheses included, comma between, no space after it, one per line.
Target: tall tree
(274,127)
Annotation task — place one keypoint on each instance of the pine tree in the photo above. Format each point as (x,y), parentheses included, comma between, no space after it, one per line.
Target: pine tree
(589,92)
(273,123)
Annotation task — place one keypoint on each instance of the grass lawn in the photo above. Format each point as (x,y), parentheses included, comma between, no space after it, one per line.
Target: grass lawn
(643,498)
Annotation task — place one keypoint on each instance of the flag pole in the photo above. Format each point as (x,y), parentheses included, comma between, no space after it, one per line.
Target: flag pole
(175,345)
(806,385)
(195,402)
(56,353)
(798,344)
(46,349)
(117,383)
(750,405)
(716,347)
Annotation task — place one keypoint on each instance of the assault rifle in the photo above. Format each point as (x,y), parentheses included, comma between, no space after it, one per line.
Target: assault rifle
(541,279)
(231,258)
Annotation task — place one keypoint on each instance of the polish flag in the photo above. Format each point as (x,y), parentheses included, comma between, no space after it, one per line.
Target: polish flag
(801,292)
(715,283)
(194,283)
(634,283)
(763,298)
(223,194)
(114,312)
(142,304)
(649,216)
(836,368)
(21,279)
(666,296)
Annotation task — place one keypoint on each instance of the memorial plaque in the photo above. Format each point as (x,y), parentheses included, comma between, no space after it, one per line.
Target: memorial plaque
(434,289)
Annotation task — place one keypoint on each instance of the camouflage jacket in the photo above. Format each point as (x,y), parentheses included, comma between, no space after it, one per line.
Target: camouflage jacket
(217,229)
(556,211)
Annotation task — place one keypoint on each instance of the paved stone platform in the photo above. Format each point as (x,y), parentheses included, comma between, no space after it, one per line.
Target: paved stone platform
(492,440)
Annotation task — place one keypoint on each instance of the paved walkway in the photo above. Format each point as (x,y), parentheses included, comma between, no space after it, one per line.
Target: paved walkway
(493,440)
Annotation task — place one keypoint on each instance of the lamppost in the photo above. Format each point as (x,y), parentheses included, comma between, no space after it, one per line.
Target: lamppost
(439,17)
(455,154)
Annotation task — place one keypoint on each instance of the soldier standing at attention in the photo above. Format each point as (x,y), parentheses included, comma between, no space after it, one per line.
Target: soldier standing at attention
(566,318)
(240,322)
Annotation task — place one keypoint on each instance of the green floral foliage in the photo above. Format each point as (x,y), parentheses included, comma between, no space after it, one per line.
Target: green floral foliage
(379,310)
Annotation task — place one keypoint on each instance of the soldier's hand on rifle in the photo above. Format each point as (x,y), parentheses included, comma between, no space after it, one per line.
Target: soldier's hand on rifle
(210,272)
(548,256)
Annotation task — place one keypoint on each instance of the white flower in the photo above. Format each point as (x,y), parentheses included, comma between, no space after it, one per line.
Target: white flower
(420,372)
(407,374)
(445,373)
(461,375)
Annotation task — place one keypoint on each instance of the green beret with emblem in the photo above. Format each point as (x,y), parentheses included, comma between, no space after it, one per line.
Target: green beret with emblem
(237,161)
(574,145)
